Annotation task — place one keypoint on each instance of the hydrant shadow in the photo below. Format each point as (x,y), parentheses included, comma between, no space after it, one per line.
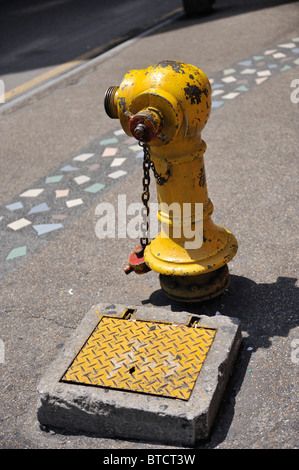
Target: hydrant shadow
(264,310)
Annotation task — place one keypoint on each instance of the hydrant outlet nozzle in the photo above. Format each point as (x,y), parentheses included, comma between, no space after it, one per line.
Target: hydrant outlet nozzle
(110,103)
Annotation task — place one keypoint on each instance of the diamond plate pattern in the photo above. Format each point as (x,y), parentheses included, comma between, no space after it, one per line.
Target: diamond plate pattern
(142,356)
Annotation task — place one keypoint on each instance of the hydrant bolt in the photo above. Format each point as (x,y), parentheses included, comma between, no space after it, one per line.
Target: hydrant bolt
(145,125)
(140,132)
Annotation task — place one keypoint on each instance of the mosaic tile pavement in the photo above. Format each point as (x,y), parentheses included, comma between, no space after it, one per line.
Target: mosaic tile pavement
(40,212)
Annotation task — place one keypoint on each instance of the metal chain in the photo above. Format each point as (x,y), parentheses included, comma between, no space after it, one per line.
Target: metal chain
(147,164)
(145,196)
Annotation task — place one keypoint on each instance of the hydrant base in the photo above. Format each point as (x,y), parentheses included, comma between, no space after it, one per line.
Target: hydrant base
(196,288)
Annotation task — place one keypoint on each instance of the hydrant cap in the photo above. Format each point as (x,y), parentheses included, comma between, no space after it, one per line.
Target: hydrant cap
(180,92)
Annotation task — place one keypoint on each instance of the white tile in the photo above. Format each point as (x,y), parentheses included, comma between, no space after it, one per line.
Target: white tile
(81,179)
(217,92)
(118,161)
(278,55)
(74,202)
(109,152)
(270,51)
(136,148)
(229,79)
(248,71)
(264,73)
(230,96)
(32,193)
(19,224)
(119,132)
(117,174)
(261,80)
(288,45)
(228,71)
(83,157)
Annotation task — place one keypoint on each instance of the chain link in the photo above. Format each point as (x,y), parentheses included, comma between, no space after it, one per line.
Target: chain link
(147,165)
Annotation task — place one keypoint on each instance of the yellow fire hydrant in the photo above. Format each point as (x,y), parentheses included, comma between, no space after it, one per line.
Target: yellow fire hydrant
(166,107)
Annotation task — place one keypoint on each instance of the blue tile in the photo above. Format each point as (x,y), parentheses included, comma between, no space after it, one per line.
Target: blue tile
(69,168)
(15,206)
(17,252)
(46,228)
(246,63)
(113,140)
(54,179)
(94,188)
(217,104)
(39,208)
(242,88)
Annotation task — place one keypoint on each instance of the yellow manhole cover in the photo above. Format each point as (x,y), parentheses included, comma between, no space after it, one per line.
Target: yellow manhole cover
(142,356)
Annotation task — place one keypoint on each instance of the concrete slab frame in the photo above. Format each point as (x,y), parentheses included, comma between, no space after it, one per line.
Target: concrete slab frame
(120,414)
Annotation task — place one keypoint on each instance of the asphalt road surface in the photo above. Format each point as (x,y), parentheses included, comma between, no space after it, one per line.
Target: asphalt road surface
(39,36)
(60,156)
